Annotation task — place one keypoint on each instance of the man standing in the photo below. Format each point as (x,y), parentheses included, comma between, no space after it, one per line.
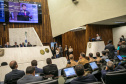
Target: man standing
(111,49)
(98,38)
(60,51)
(14,74)
(29,77)
(122,49)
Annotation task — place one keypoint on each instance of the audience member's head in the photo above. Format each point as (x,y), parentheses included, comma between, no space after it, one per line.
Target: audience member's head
(97,54)
(122,36)
(82,55)
(71,57)
(13,65)
(48,61)
(110,65)
(30,70)
(110,41)
(90,55)
(103,53)
(79,70)
(34,63)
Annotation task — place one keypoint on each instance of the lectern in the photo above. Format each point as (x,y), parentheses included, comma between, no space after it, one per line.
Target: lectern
(93,47)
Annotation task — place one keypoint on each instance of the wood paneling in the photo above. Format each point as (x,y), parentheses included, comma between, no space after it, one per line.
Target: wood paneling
(43,30)
(78,40)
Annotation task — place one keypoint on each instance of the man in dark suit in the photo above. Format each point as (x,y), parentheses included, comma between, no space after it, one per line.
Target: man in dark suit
(7,45)
(29,44)
(23,15)
(61,51)
(14,74)
(82,79)
(30,76)
(37,70)
(50,68)
(111,49)
(15,45)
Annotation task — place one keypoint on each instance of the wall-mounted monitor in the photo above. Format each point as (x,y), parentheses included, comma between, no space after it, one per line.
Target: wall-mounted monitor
(2,12)
(23,12)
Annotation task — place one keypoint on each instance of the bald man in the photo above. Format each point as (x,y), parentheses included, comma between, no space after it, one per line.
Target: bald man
(14,74)
(72,62)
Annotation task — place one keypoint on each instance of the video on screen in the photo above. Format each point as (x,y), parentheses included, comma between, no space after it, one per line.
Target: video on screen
(2,13)
(23,12)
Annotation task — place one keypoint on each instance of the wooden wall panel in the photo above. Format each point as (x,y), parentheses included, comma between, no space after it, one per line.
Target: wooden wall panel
(78,40)
(43,30)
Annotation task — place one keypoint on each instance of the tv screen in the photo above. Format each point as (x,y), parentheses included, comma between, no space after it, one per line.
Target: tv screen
(23,12)
(2,13)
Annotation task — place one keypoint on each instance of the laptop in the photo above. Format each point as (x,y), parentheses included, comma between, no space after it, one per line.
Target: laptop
(94,67)
(119,57)
(70,74)
(107,60)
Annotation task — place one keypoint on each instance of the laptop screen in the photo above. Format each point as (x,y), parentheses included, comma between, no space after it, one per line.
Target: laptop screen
(107,60)
(93,65)
(119,57)
(69,72)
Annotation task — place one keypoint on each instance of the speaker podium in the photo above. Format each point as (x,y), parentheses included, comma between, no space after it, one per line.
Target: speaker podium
(93,47)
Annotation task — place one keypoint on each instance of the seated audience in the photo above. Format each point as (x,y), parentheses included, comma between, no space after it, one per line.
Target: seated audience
(50,69)
(29,44)
(82,59)
(37,70)
(122,49)
(15,45)
(82,79)
(91,59)
(23,45)
(7,45)
(72,62)
(98,58)
(109,68)
(104,55)
(15,74)
(29,77)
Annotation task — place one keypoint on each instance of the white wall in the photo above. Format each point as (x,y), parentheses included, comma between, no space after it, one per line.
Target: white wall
(65,15)
(117,32)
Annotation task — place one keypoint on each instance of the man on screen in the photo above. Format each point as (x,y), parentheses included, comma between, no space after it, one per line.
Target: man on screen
(23,15)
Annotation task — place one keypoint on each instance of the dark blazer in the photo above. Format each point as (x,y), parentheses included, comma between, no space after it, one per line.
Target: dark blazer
(47,70)
(29,78)
(85,79)
(7,46)
(38,70)
(15,46)
(104,72)
(14,74)
(111,49)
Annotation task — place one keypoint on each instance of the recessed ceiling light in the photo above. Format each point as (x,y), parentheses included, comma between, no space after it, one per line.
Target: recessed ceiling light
(119,22)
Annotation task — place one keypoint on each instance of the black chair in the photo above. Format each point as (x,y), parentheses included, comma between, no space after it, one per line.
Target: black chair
(4,63)
(115,78)
(95,83)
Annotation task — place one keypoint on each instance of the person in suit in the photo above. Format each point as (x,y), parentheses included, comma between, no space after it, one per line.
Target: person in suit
(111,49)
(37,70)
(72,62)
(98,38)
(7,45)
(91,59)
(98,58)
(15,74)
(82,59)
(15,45)
(81,79)
(24,14)
(22,45)
(104,56)
(29,44)
(109,68)
(60,51)
(30,76)
(50,68)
